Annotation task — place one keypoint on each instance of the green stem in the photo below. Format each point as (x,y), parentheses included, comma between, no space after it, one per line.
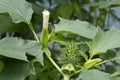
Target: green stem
(53,62)
(75,73)
(31,28)
(102,62)
(66,77)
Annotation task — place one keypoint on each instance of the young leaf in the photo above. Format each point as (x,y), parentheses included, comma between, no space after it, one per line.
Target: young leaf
(80,28)
(104,41)
(90,63)
(93,75)
(16,70)
(19,10)
(14,48)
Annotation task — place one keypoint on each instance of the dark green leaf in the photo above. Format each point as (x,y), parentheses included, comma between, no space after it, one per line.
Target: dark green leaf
(80,28)
(65,11)
(1,65)
(16,70)
(19,10)
(6,25)
(117,57)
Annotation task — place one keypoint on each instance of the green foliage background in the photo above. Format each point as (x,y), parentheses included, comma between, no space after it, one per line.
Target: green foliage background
(96,12)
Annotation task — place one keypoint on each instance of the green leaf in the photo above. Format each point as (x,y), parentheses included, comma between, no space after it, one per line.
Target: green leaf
(104,41)
(19,10)
(78,27)
(6,25)
(17,49)
(65,11)
(33,48)
(16,70)
(93,74)
(104,4)
(115,76)
(45,72)
(1,65)
(10,47)
(117,57)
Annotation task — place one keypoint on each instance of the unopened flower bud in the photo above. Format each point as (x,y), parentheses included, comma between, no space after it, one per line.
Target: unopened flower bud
(46,14)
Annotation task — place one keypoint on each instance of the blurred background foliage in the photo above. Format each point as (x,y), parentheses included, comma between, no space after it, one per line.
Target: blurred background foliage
(101,13)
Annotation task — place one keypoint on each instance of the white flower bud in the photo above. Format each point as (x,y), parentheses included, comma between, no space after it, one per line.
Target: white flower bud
(46,14)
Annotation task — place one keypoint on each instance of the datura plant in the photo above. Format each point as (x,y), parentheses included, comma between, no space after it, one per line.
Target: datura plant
(79,56)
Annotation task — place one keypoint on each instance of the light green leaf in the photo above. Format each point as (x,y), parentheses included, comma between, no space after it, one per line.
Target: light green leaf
(16,70)
(104,41)
(10,47)
(78,27)
(17,49)
(93,75)
(19,10)
(33,48)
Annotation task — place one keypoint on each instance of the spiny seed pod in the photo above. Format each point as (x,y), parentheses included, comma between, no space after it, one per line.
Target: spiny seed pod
(71,54)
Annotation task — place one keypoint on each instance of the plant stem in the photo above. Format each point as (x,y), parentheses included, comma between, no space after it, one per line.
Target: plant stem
(75,73)
(66,77)
(31,28)
(102,62)
(53,62)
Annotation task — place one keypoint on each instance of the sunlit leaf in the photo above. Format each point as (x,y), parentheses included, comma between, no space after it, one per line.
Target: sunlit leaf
(104,41)
(19,10)
(93,75)
(78,27)
(17,49)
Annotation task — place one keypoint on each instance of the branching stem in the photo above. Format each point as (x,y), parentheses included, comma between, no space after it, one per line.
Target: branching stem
(52,61)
